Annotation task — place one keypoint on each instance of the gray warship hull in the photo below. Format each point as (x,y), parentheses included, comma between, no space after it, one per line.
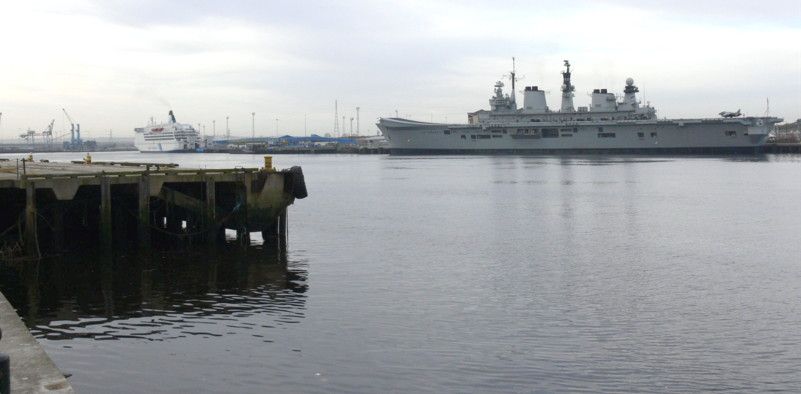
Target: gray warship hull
(611,123)
(740,135)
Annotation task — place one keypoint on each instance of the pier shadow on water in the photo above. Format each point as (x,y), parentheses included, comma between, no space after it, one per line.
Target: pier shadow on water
(155,295)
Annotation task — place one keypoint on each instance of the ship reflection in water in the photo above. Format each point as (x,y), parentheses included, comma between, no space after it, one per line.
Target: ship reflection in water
(167,295)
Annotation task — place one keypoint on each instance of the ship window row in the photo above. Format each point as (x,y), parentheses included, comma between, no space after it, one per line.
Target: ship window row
(731,133)
(550,133)
(163,139)
(591,119)
(555,133)
(159,136)
(495,132)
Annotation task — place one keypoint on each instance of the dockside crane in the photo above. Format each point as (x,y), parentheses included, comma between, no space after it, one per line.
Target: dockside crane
(46,134)
(75,142)
(75,130)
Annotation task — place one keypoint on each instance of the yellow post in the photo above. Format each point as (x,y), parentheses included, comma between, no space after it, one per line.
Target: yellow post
(88,159)
(268,163)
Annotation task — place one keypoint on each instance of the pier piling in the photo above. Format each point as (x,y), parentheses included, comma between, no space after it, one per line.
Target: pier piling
(143,225)
(210,222)
(242,230)
(31,240)
(283,232)
(105,213)
(270,233)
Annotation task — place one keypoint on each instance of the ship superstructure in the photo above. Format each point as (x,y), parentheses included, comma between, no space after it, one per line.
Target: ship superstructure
(167,137)
(609,123)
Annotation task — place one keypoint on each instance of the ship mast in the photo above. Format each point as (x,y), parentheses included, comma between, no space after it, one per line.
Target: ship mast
(567,90)
(513,77)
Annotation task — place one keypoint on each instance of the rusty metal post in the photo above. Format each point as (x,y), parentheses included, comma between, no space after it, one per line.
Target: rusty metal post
(105,213)
(143,227)
(31,238)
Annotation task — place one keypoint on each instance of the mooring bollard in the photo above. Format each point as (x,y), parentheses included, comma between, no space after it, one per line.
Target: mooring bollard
(268,163)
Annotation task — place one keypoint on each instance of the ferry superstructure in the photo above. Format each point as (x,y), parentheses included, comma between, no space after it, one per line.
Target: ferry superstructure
(609,124)
(167,137)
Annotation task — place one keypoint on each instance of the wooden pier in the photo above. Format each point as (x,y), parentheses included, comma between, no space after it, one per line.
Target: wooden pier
(56,206)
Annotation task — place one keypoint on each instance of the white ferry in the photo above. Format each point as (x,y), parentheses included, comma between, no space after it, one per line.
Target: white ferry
(167,137)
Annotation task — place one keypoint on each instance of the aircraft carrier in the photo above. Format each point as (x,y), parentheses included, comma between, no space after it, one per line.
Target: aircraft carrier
(611,123)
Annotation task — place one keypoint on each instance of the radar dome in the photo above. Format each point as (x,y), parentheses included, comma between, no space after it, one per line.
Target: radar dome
(629,81)
(564,86)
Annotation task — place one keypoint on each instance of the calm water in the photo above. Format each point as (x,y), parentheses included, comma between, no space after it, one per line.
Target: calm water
(458,274)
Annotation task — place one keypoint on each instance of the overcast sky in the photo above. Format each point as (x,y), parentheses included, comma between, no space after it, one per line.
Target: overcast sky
(114,64)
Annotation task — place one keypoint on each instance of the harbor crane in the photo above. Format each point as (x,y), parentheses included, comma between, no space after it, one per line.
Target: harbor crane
(46,134)
(72,122)
(75,142)
(73,129)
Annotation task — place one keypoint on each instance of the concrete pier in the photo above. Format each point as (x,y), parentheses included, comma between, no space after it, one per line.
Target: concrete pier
(59,205)
(32,370)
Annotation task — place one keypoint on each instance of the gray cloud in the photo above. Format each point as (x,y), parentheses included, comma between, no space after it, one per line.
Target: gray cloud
(286,58)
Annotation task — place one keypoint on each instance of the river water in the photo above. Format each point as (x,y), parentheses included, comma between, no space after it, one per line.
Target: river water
(457,274)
